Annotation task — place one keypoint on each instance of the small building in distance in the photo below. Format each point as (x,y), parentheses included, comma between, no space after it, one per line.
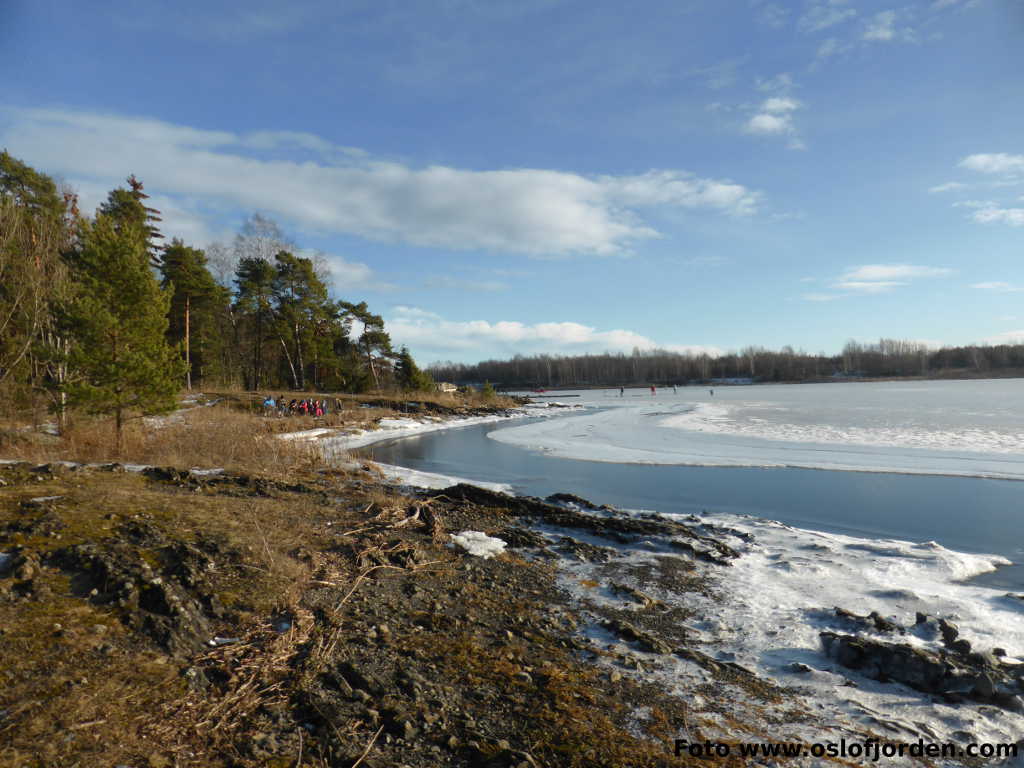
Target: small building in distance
(446,387)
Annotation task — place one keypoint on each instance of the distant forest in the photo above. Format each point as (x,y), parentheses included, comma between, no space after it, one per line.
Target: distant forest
(889,358)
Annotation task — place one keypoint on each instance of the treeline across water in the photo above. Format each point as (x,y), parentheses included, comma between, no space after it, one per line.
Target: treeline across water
(888,358)
(100,314)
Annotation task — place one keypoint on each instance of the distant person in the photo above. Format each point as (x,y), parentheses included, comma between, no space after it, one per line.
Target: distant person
(268,406)
(674,390)
(712,392)
(622,391)
(652,390)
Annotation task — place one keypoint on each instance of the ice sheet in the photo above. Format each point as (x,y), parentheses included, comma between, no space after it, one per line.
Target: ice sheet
(971,428)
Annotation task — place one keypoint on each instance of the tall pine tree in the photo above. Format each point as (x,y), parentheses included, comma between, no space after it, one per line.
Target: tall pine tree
(254,279)
(118,315)
(196,298)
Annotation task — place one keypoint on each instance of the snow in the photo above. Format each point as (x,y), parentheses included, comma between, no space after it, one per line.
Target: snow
(479,544)
(307,434)
(417,479)
(971,428)
(766,610)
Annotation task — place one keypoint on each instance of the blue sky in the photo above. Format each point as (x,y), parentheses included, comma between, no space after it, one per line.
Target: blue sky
(566,176)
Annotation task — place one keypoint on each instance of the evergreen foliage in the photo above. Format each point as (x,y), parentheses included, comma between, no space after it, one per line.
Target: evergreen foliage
(126,207)
(118,316)
(409,376)
(196,303)
(83,320)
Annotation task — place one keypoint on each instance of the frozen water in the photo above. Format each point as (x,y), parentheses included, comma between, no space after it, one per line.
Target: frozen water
(972,428)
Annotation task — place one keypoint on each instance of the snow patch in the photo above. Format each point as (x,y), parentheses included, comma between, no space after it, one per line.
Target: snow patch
(479,544)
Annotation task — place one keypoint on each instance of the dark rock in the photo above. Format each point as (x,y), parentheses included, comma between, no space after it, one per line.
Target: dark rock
(953,677)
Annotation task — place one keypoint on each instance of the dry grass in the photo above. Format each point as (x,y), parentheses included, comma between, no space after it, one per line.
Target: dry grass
(219,436)
(70,666)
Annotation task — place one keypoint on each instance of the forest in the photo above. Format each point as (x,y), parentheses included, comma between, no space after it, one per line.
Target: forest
(99,314)
(888,358)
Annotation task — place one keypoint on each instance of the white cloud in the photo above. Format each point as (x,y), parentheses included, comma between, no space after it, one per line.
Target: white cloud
(997,287)
(830,47)
(949,186)
(773,15)
(998,162)
(1006,337)
(769,124)
(894,272)
(822,15)
(428,331)
(879,278)
(938,5)
(882,27)
(774,116)
(531,211)
(1012,216)
(867,286)
(350,276)
(781,83)
(820,296)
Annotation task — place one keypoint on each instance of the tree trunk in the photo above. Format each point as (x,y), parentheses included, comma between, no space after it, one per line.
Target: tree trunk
(188,351)
(118,439)
(291,365)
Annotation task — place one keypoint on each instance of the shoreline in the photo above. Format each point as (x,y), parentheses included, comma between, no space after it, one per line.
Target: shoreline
(598,638)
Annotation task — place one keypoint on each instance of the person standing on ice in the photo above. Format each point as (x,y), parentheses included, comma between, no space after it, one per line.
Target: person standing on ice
(622,391)
(712,392)
(652,390)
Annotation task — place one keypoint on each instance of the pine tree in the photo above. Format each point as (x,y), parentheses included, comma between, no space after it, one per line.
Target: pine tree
(408,374)
(301,308)
(374,343)
(254,279)
(196,299)
(118,316)
(127,208)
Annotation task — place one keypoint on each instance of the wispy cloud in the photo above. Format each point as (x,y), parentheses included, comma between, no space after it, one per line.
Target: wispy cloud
(881,27)
(1006,337)
(993,215)
(997,286)
(537,212)
(447,282)
(949,186)
(431,334)
(867,286)
(772,14)
(348,276)
(871,279)
(873,272)
(821,296)
(994,163)
(823,14)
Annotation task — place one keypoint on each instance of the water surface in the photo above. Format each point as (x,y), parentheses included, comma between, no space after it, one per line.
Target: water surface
(962,513)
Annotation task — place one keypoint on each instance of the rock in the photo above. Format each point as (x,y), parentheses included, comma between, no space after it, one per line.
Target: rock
(984,688)
(953,677)
(799,668)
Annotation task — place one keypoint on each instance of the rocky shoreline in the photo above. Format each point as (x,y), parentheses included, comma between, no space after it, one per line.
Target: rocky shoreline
(328,620)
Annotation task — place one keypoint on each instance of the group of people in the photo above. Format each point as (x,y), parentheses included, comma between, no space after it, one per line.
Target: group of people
(303,407)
